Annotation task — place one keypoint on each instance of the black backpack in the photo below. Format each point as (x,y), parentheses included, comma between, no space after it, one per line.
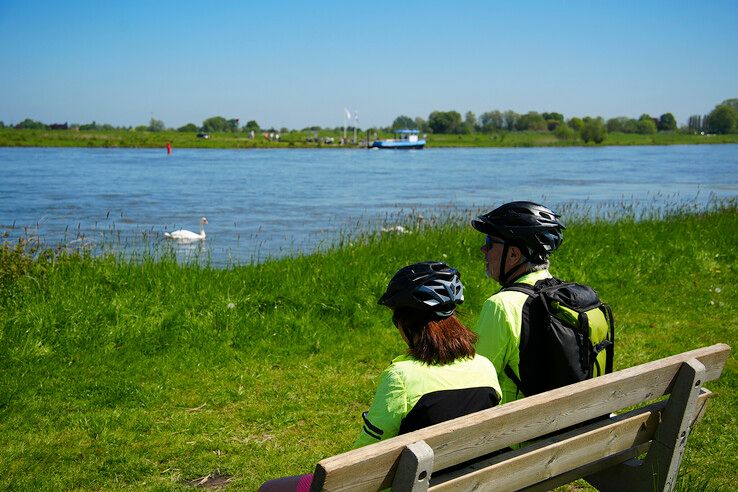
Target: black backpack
(567,336)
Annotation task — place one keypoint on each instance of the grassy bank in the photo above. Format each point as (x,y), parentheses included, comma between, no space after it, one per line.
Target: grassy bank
(546,139)
(151,374)
(144,139)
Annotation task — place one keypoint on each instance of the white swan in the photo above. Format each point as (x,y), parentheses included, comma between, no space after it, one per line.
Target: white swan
(185,235)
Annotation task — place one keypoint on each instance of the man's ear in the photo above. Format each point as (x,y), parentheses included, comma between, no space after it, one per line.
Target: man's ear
(515,252)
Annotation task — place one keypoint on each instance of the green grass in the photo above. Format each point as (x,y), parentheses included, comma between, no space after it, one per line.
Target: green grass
(547,139)
(10,137)
(144,139)
(147,374)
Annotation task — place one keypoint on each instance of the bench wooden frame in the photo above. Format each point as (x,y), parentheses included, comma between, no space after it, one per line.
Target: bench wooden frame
(604,452)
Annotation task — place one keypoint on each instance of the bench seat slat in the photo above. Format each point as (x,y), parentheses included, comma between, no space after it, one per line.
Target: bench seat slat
(462,439)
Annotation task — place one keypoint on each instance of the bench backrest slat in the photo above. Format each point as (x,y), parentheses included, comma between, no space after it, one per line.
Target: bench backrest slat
(605,463)
(560,454)
(462,439)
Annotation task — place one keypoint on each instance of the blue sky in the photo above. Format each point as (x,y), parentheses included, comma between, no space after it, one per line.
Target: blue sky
(296,64)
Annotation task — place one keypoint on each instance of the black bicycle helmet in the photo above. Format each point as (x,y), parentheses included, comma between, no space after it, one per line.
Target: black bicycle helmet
(427,286)
(532,227)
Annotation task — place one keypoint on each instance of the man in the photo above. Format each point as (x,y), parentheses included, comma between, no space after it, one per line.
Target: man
(520,236)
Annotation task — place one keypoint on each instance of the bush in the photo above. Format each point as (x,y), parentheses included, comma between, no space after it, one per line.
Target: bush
(156,125)
(215,124)
(576,123)
(531,121)
(593,130)
(646,126)
(404,122)
(667,123)
(189,127)
(252,125)
(564,132)
(29,124)
(723,119)
(445,121)
(618,124)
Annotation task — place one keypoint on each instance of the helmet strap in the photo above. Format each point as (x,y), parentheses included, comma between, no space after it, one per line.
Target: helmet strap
(505,276)
(503,260)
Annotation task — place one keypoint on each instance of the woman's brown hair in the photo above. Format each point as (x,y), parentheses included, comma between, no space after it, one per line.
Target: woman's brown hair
(433,339)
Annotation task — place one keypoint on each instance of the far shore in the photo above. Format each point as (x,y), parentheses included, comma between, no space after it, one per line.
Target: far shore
(325,139)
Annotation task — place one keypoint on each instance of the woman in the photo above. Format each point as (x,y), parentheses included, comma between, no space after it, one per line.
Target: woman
(440,377)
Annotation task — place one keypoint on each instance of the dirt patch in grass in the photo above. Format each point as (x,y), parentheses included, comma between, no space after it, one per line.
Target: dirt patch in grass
(211,481)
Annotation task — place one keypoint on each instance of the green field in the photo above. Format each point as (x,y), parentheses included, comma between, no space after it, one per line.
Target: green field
(149,374)
(10,137)
(546,139)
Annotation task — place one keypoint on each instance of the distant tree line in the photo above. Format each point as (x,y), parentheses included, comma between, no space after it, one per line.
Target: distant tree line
(722,119)
(210,125)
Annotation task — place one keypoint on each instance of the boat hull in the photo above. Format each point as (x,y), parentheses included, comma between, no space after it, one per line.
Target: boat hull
(384,144)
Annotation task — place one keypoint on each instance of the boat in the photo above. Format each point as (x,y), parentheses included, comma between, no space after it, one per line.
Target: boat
(404,139)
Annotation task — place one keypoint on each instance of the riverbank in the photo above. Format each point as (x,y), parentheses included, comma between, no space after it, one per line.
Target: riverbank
(10,137)
(152,375)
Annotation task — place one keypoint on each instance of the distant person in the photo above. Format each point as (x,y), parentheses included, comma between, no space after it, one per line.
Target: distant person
(539,332)
(169,148)
(440,378)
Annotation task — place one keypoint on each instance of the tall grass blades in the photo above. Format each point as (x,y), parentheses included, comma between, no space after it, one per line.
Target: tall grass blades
(151,373)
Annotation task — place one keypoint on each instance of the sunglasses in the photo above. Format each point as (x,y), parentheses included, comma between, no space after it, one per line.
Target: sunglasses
(490,241)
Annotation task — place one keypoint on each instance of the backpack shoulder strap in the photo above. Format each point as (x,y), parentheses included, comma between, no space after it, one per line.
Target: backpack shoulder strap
(520,287)
(532,291)
(545,284)
(524,288)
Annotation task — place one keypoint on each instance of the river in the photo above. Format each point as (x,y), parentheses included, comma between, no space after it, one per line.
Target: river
(272,203)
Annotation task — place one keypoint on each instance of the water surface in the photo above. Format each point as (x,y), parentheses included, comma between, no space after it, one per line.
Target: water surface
(275,202)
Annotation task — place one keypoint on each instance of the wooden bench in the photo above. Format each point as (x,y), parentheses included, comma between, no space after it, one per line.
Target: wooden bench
(605,451)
